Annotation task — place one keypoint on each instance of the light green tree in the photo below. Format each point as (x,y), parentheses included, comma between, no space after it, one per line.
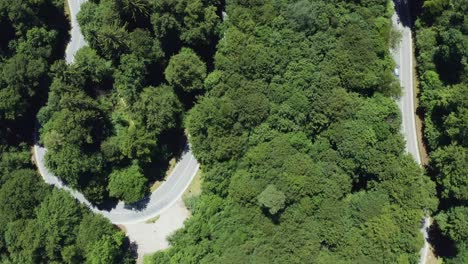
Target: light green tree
(272,199)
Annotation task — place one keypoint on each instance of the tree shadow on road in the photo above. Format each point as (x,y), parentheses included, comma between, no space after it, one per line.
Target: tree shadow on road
(173,145)
(402,9)
(138,206)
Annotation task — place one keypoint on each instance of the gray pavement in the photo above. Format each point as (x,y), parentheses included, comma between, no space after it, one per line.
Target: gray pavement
(404,59)
(161,199)
(403,56)
(77,40)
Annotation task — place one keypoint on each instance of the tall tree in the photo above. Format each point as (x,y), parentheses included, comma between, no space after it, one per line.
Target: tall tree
(128,184)
(186,71)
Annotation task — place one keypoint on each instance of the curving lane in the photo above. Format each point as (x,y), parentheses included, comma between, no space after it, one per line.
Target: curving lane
(77,40)
(161,199)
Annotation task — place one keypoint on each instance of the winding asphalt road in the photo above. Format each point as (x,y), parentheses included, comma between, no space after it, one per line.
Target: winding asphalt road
(164,197)
(77,40)
(403,56)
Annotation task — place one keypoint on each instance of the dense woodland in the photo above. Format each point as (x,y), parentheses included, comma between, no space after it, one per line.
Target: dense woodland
(442,53)
(32,33)
(289,106)
(114,117)
(299,138)
(39,224)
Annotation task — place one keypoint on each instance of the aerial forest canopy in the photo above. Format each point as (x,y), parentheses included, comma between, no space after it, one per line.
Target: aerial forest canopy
(39,224)
(114,117)
(299,138)
(289,107)
(442,47)
(32,36)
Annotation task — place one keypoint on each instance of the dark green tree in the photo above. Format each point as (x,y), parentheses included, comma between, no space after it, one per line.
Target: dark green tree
(186,71)
(128,184)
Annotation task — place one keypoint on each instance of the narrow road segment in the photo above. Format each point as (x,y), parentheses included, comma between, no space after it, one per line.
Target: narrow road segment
(77,40)
(403,56)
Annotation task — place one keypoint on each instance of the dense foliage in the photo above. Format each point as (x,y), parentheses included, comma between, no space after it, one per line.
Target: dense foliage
(298,132)
(31,34)
(298,135)
(39,224)
(442,45)
(113,117)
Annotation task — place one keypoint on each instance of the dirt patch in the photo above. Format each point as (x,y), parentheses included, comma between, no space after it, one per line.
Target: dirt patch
(419,122)
(33,160)
(432,258)
(152,220)
(122,228)
(194,188)
(67,10)
(152,237)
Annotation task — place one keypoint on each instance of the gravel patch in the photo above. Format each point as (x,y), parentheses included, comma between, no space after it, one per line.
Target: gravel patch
(151,237)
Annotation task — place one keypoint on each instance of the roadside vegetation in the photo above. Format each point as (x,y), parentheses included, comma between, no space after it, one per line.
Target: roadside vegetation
(299,138)
(442,53)
(39,224)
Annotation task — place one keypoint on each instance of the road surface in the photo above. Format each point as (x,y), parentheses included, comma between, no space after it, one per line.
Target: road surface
(77,40)
(403,56)
(404,59)
(161,199)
